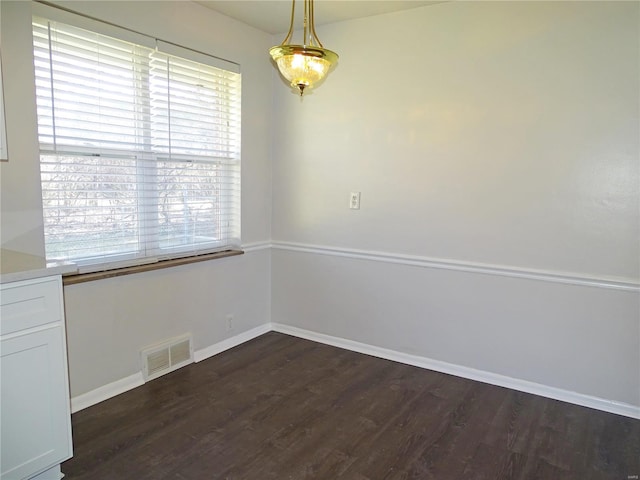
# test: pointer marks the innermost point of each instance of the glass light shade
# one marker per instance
(303, 66)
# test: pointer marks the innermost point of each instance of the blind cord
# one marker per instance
(53, 101)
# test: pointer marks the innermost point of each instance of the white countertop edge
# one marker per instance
(50, 269)
(17, 266)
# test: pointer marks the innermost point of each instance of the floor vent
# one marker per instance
(166, 357)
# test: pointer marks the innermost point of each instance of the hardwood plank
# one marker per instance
(450, 455)
(280, 407)
(491, 463)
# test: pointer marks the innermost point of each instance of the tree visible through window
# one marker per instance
(139, 149)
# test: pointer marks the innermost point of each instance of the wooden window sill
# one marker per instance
(89, 277)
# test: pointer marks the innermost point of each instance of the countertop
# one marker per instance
(16, 266)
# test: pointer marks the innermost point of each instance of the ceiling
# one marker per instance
(273, 16)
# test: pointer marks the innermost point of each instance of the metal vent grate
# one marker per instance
(180, 352)
(166, 357)
(158, 361)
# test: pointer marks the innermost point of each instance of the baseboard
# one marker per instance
(234, 341)
(105, 392)
(575, 398)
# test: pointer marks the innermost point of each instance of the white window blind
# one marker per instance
(139, 150)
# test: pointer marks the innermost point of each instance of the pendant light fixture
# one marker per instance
(303, 65)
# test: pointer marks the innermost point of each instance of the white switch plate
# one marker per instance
(354, 201)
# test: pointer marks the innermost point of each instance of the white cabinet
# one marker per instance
(35, 417)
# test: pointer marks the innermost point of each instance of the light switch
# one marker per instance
(354, 201)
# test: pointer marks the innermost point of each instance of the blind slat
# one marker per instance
(139, 149)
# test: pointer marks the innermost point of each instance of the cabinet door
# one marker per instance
(34, 406)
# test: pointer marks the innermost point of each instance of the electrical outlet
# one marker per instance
(354, 201)
(229, 323)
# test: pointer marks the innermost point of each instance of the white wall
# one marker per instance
(21, 226)
(494, 135)
(109, 321)
(502, 134)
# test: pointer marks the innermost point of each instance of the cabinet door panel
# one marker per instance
(34, 403)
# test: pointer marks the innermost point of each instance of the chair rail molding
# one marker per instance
(624, 284)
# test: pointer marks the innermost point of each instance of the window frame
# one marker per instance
(129, 259)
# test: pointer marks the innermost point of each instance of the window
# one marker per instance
(139, 149)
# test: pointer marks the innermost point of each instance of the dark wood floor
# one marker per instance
(279, 407)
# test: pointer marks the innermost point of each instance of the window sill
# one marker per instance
(89, 277)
